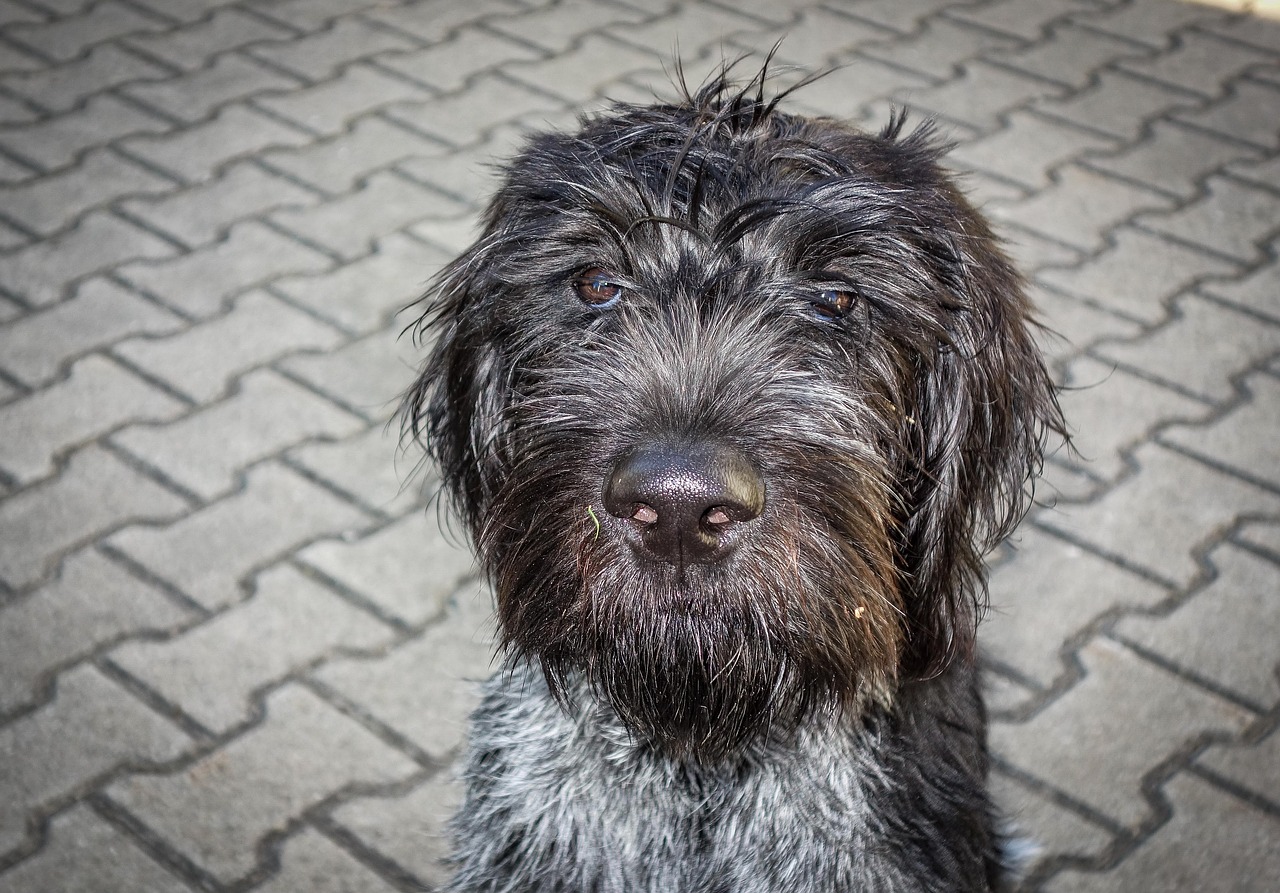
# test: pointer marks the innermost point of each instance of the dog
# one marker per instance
(732, 402)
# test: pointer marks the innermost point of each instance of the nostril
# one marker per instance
(717, 517)
(644, 514)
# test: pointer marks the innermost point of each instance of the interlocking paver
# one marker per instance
(98, 396)
(1119, 104)
(1255, 767)
(85, 852)
(68, 38)
(820, 36)
(311, 15)
(598, 61)
(448, 66)
(1246, 440)
(191, 47)
(320, 55)
(1027, 19)
(207, 553)
(197, 94)
(205, 451)
(92, 726)
(1153, 24)
(367, 376)
(202, 361)
(1255, 292)
(1071, 57)
(63, 87)
(936, 50)
(91, 603)
(1231, 220)
(310, 861)
(358, 466)
(868, 81)
(1052, 829)
(186, 10)
(330, 107)
(35, 348)
(304, 752)
(1074, 325)
(58, 141)
(1128, 715)
(1212, 837)
(1248, 114)
(1027, 150)
(545, 26)
(1200, 63)
(980, 95)
(1172, 159)
(466, 117)
(213, 670)
(337, 164)
(200, 283)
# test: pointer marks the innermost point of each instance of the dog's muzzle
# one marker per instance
(685, 504)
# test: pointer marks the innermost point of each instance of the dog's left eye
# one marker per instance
(832, 303)
(595, 287)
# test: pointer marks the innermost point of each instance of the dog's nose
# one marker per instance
(685, 503)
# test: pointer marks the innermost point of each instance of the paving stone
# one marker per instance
(448, 66)
(303, 752)
(68, 38)
(91, 727)
(337, 165)
(331, 107)
(41, 273)
(470, 175)
(95, 398)
(198, 153)
(1080, 208)
(1051, 829)
(453, 236)
(1123, 521)
(191, 47)
(1212, 842)
(1051, 592)
(1073, 325)
(1119, 104)
(206, 450)
(86, 853)
(1098, 741)
(1032, 254)
(1248, 114)
(1263, 536)
(1223, 342)
(321, 55)
(1153, 24)
(409, 830)
(35, 348)
(1231, 220)
(200, 283)
(1071, 57)
(819, 37)
(195, 95)
(11, 13)
(1249, 29)
(980, 95)
(1027, 19)
(860, 81)
(937, 49)
(598, 61)
(1247, 439)
(53, 203)
(1201, 63)
(95, 493)
(185, 10)
(199, 215)
(1137, 275)
(1255, 767)
(1241, 606)
(364, 295)
(367, 376)
(1111, 410)
(61, 88)
(545, 26)
(1263, 173)
(207, 553)
(349, 225)
(408, 568)
(202, 361)
(13, 112)
(1027, 149)
(1255, 292)
(374, 468)
(1173, 159)
(59, 141)
(466, 118)
(312, 862)
(213, 670)
(436, 26)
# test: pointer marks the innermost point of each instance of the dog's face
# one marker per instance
(732, 402)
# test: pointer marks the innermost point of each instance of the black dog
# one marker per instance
(732, 403)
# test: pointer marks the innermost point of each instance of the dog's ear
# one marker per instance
(984, 405)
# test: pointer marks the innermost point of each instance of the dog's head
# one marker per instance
(733, 402)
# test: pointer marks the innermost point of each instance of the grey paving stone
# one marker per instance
(95, 493)
(185, 10)
(980, 95)
(213, 670)
(1027, 149)
(63, 87)
(1212, 842)
(350, 224)
(13, 112)
(408, 568)
(1223, 341)
(1111, 410)
(53, 203)
(1071, 57)
(1241, 606)
(1249, 29)
(42, 273)
(471, 175)
(1153, 24)
(95, 398)
(1118, 104)
(598, 61)
(1262, 173)
(1231, 220)
(468, 117)
(1262, 535)
(310, 861)
(432, 28)
(408, 830)
(303, 752)
(1254, 767)
(336, 165)
(546, 26)
(848, 92)
(936, 49)
(197, 94)
(86, 853)
(363, 296)
(454, 236)
(1098, 741)
(1032, 254)
(1027, 19)
(820, 36)
(322, 54)
(206, 450)
(209, 552)
(1201, 63)
(91, 603)
(1247, 439)
(1138, 520)
(201, 283)
(448, 66)
(191, 47)
(1255, 292)
(1173, 159)
(367, 376)
(68, 38)
(202, 361)
(1074, 325)
(1249, 113)
(1051, 829)
(35, 348)
(372, 468)
(1137, 275)
(198, 153)
(331, 107)
(92, 726)
(58, 141)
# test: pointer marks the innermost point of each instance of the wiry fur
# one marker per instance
(801, 715)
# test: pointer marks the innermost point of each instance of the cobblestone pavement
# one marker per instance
(235, 651)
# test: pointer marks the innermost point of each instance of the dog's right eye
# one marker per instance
(595, 287)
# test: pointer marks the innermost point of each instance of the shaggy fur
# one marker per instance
(732, 403)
